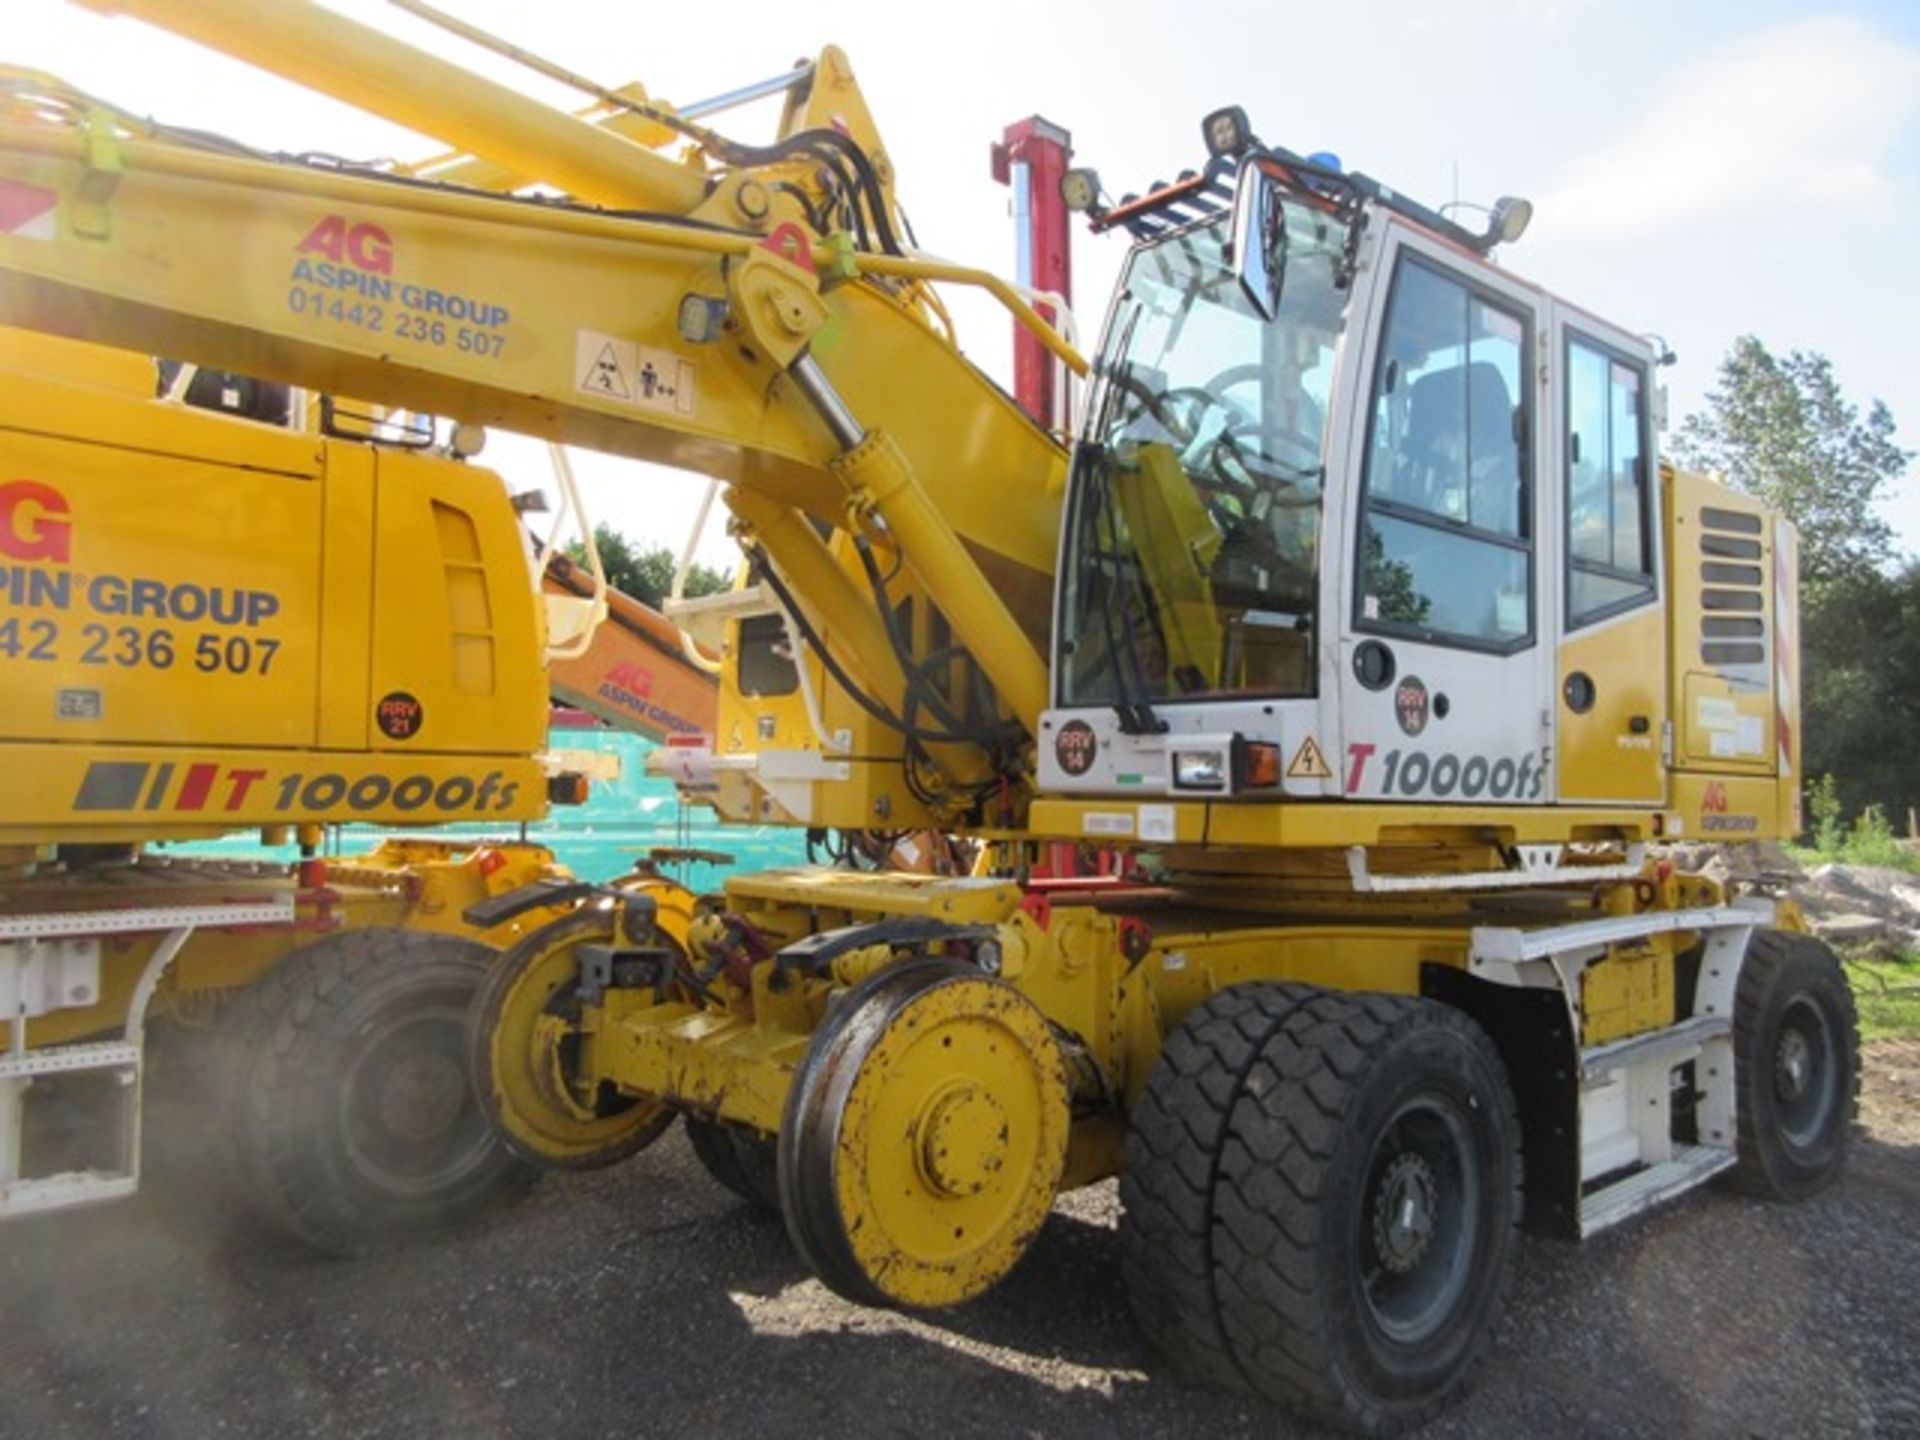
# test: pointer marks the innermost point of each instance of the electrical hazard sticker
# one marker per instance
(632, 374)
(1308, 763)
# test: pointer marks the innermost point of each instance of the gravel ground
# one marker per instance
(647, 1301)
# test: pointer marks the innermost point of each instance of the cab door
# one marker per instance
(1444, 664)
(1610, 691)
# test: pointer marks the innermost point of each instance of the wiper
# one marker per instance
(1134, 711)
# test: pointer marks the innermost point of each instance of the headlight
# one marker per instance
(1200, 770)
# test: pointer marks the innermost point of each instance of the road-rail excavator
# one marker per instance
(1358, 611)
(353, 1125)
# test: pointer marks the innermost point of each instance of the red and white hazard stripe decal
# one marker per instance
(28, 211)
(1786, 624)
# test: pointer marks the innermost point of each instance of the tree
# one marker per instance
(1860, 672)
(1779, 428)
(645, 574)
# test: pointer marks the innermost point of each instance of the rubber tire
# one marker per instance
(1282, 1140)
(744, 1161)
(1779, 967)
(290, 1045)
(1166, 1190)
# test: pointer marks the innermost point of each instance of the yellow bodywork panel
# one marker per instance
(1612, 752)
(1722, 613)
(1733, 807)
(208, 623)
(1629, 991)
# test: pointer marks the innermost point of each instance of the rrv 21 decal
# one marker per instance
(1443, 775)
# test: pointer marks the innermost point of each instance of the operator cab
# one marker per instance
(1355, 513)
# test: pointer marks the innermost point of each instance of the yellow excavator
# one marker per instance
(1358, 608)
(355, 1125)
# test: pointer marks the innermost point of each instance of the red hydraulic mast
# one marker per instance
(1031, 157)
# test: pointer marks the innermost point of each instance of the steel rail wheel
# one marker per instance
(524, 1049)
(924, 1137)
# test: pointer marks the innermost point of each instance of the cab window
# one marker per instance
(1446, 536)
(1608, 536)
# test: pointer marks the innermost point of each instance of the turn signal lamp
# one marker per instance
(567, 789)
(1259, 765)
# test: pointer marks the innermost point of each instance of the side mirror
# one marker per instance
(1259, 241)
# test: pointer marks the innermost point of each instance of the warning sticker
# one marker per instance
(27, 210)
(1157, 823)
(1308, 763)
(638, 375)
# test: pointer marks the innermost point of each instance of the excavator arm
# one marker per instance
(726, 328)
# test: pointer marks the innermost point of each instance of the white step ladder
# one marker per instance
(1629, 1160)
(51, 962)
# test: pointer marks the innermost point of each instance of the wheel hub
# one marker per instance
(1405, 1210)
(422, 1096)
(1792, 1065)
(963, 1140)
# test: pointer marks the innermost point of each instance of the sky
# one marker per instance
(1700, 170)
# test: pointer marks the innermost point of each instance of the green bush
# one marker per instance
(1869, 840)
(1823, 802)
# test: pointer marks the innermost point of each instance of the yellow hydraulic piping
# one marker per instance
(326, 52)
(918, 268)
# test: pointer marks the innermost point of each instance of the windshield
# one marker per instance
(1193, 554)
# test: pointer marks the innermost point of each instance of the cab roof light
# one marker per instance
(1227, 132)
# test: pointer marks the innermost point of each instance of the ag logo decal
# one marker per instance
(1410, 705)
(399, 715)
(1075, 746)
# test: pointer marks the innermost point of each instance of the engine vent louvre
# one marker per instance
(1733, 595)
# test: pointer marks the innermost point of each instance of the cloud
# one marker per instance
(1800, 114)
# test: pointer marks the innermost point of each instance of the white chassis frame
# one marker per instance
(52, 962)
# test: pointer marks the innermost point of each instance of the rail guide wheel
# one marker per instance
(924, 1136)
(524, 1046)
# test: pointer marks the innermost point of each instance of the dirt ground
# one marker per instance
(647, 1301)
(1890, 1102)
